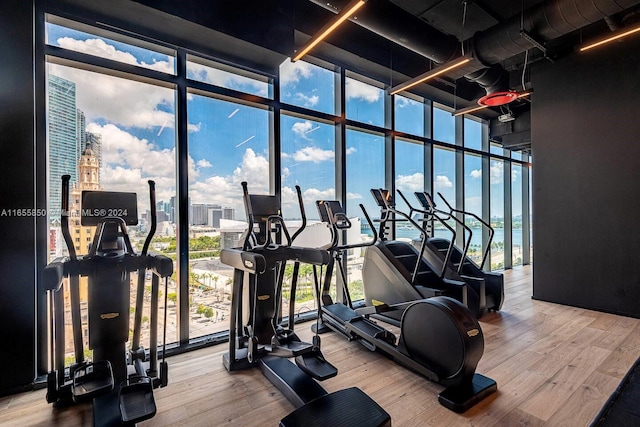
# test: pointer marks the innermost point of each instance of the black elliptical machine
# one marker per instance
(394, 271)
(257, 335)
(486, 287)
(120, 383)
(440, 338)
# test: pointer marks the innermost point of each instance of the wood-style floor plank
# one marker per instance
(555, 365)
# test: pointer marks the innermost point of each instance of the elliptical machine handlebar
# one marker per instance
(332, 219)
(64, 218)
(481, 221)
(154, 219)
(302, 213)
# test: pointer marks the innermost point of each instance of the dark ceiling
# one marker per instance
(395, 40)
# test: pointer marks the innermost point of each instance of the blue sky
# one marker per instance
(228, 142)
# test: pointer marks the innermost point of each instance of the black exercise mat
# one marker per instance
(623, 407)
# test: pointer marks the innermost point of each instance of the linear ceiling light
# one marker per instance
(446, 67)
(474, 108)
(346, 13)
(621, 34)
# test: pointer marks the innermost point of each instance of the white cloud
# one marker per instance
(292, 72)
(351, 150)
(302, 128)
(120, 148)
(313, 154)
(413, 182)
(402, 102)
(313, 194)
(476, 173)
(354, 196)
(204, 163)
(355, 89)
(227, 191)
(99, 47)
(225, 79)
(442, 181)
(307, 100)
(120, 101)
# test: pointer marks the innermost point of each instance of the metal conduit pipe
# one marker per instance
(546, 21)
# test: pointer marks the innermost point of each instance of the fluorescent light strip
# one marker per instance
(428, 75)
(329, 28)
(610, 39)
(475, 108)
(470, 110)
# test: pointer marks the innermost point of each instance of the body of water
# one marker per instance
(476, 237)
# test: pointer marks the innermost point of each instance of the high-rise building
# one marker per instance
(63, 138)
(200, 214)
(81, 138)
(94, 141)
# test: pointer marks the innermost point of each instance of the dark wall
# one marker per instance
(17, 257)
(586, 182)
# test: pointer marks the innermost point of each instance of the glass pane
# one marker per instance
(496, 149)
(473, 204)
(409, 179)
(444, 126)
(409, 115)
(365, 170)
(224, 76)
(365, 103)
(516, 155)
(516, 211)
(110, 134)
(307, 85)
(103, 47)
(230, 144)
(444, 182)
(496, 182)
(308, 160)
(472, 134)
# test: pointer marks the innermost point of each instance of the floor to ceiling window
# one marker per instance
(326, 130)
(110, 133)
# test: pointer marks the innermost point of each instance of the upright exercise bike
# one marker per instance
(257, 335)
(120, 383)
(440, 338)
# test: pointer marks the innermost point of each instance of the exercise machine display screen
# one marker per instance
(97, 205)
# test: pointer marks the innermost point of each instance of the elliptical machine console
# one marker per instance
(119, 397)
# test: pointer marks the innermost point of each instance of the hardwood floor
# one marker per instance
(555, 366)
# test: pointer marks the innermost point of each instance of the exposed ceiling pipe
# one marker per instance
(546, 21)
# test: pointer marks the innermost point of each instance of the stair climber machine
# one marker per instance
(439, 339)
(120, 383)
(486, 289)
(395, 272)
(259, 337)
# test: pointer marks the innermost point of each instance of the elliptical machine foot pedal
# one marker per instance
(136, 400)
(315, 365)
(91, 379)
(462, 397)
(349, 407)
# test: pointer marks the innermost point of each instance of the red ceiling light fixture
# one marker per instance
(498, 98)
(481, 106)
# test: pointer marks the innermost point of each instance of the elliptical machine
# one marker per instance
(395, 272)
(440, 338)
(119, 383)
(257, 335)
(487, 287)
